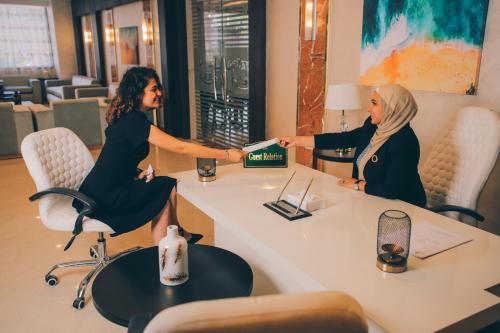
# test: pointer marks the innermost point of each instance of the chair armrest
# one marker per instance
(89, 206)
(84, 92)
(453, 208)
(138, 323)
(37, 90)
(57, 83)
(32, 81)
(87, 201)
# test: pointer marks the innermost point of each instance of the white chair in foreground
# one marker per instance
(318, 312)
(58, 161)
(461, 161)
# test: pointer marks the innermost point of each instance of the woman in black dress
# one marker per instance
(126, 198)
(387, 149)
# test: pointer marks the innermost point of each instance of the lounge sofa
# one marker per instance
(65, 89)
(30, 89)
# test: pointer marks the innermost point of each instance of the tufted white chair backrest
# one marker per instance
(56, 157)
(462, 158)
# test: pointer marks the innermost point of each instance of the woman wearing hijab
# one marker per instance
(387, 149)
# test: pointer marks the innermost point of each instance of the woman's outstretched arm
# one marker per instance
(170, 143)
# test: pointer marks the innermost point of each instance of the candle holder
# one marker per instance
(393, 241)
(206, 169)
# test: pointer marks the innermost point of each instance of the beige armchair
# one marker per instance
(318, 312)
(30, 89)
(15, 124)
(80, 116)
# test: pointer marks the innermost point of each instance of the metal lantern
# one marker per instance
(393, 241)
(206, 169)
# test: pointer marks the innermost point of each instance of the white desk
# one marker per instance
(335, 249)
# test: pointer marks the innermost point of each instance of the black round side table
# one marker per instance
(333, 155)
(131, 285)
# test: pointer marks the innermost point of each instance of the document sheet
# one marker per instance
(428, 239)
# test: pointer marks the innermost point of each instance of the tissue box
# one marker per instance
(311, 202)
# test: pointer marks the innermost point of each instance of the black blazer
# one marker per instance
(392, 172)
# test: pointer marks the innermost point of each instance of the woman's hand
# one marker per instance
(349, 182)
(235, 155)
(300, 141)
(146, 174)
(287, 141)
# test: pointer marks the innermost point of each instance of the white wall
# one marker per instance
(435, 109)
(282, 68)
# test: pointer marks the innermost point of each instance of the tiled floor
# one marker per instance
(28, 250)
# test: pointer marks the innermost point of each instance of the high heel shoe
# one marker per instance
(194, 237)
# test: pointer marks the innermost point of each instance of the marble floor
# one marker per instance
(27, 303)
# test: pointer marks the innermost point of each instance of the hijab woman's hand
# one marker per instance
(287, 141)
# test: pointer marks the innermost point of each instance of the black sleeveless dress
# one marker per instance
(125, 203)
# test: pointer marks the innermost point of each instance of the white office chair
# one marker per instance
(58, 161)
(319, 312)
(460, 162)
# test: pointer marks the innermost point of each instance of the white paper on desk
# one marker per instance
(428, 239)
(260, 145)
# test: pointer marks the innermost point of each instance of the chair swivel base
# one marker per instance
(101, 260)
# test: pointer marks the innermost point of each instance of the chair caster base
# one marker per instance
(79, 303)
(51, 280)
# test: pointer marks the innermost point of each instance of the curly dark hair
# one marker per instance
(130, 92)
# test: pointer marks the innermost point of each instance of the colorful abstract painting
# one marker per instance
(129, 47)
(432, 45)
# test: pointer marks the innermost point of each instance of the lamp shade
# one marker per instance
(343, 96)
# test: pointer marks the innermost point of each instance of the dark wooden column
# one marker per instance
(100, 65)
(173, 50)
(257, 70)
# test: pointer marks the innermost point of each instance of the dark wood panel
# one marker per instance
(173, 50)
(100, 66)
(80, 55)
(257, 70)
(86, 7)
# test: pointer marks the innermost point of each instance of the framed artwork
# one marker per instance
(432, 45)
(129, 46)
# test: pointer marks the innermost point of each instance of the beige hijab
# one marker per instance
(398, 107)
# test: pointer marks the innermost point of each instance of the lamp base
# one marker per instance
(391, 268)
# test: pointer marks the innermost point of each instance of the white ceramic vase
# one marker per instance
(173, 258)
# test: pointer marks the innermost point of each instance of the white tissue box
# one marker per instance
(311, 202)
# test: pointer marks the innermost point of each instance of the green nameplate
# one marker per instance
(270, 157)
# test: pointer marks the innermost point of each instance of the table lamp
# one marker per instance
(343, 97)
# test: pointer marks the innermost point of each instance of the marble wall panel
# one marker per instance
(311, 85)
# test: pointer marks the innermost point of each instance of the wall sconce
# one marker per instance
(87, 36)
(110, 34)
(310, 20)
(147, 32)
